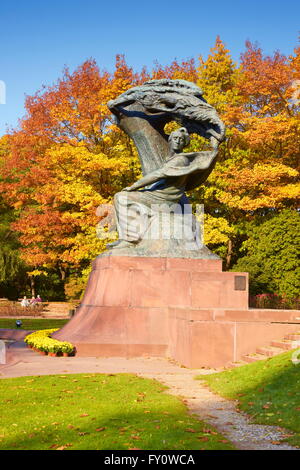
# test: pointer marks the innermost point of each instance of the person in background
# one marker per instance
(38, 299)
(32, 301)
(25, 302)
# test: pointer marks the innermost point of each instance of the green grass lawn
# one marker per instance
(32, 323)
(98, 411)
(267, 390)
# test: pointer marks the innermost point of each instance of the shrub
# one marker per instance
(271, 255)
(42, 341)
(13, 309)
(273, 301)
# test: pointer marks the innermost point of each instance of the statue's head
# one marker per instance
(179, 139)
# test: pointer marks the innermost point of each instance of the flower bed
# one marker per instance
(41, 341)
(14, 309)
(274, 301)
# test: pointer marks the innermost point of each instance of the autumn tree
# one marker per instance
(217, 77)
(66, 159)
(184, 70)
(257, 170)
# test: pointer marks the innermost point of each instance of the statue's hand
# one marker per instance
(214, 142)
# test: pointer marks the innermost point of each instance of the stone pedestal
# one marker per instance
(185, 309)
(126, 308)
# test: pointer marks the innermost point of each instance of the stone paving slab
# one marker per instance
(13, 334)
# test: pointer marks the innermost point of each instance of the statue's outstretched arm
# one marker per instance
(152, 177)
(200, 161)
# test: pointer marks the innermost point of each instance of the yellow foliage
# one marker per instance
(37, 272)
(216, 230)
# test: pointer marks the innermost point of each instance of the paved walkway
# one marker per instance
(220, 413)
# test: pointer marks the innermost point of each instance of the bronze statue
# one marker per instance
(142, 112)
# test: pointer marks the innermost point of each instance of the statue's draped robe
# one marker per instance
(134, 209)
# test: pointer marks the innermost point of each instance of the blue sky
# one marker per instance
(38, 38)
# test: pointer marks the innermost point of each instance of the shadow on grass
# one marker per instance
(99, 412)
(119, 433)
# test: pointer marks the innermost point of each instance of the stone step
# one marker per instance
(269, 351)
(57, 307)
(264, 352)
(254, 357)
(236, 364)
(293, 337)
(55, 316)
(60, 307)
(56, 311)
(283, 344)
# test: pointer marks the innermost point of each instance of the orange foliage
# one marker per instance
(68, 156)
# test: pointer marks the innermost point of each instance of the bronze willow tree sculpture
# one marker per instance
(154, 217)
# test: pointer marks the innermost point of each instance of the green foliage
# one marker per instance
(10, 262)
(50, 287)
(12, 268)
(76, 284)
(271, 255)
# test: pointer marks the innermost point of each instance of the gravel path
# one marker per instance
(209, 407)
(222, 413)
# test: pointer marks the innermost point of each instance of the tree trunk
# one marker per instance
(229, 254)
(32, 286)
(62, 274)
